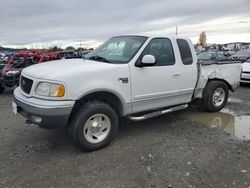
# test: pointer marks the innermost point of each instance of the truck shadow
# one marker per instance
(142, 133)
(224, 121)
(8, 92)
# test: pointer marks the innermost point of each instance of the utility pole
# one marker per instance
(176, 30)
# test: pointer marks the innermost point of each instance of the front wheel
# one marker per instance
(94, 126)
(215, 96)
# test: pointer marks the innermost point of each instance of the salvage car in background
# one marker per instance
(211, 55)
(5, 59)
(2, 62)
(1, 56)
(228, 52)
(245, 76)
(71, 54)
(10, 73)
(241, 55)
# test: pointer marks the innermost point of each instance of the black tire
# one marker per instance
(208, 96)
(82, 115)
(1, 88)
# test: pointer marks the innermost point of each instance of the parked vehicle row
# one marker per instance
(5, 57)
(211, 55)
(10, 72)
(241, 55)
(70, 54)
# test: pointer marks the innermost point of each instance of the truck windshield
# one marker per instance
(117, 50)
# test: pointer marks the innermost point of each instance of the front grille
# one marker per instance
(26, 84)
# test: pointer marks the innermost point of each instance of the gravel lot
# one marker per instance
(175, 150)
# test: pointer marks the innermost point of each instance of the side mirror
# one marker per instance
(148, 60)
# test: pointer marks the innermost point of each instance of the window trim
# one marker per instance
(140, 56)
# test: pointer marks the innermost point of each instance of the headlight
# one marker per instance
(50, 89)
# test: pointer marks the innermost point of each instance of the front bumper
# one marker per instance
(45, 113)
(245, 77)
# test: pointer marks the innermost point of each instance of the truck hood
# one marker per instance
(55, 70)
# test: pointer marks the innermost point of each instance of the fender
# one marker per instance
(126, 106)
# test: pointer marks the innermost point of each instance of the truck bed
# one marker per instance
(218, 62)
(229, 71)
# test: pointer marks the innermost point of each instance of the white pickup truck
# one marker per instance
(137, 77)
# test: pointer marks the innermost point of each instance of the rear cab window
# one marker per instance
(185, 51)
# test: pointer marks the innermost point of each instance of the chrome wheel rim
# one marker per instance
(219, 97)
(97, 128)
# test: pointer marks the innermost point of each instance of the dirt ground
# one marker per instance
(188, 148)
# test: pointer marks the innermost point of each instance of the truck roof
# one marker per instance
(155, 36)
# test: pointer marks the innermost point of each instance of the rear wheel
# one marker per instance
(215, 96)
(94, 126)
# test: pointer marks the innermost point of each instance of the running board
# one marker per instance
(157, 113)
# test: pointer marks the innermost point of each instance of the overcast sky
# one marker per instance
(44, 23)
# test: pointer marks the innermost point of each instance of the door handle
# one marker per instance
(176, 76)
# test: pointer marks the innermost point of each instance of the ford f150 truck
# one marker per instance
(137, 77)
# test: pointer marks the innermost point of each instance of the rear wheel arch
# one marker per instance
(221, 80)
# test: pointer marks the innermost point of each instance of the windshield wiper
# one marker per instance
(99, 58)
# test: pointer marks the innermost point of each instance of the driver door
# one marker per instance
(158, 85)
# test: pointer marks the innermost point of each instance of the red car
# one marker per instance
(9, 75)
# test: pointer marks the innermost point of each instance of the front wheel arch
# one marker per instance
(103, 96)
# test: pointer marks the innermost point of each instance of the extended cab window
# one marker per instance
(185, 51)
(162, 50)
